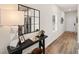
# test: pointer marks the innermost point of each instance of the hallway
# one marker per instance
(65, 44)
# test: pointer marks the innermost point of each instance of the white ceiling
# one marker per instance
(68, 7)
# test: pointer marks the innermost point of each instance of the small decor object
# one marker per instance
(22, 39)
(36, 38)
(37, 51)
(41, 33)
(62, 20)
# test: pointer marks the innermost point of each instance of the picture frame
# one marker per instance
(62, 20)
(76, 19)
(22, 39)
(53, 21)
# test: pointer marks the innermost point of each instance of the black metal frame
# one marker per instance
(28, 16)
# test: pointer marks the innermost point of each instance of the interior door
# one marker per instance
(71, 24)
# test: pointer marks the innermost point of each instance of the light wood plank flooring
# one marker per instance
(65, 44)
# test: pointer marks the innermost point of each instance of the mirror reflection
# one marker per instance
(31, 19)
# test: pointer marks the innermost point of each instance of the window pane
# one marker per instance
(31, 12)
(29, 28)
(36, 13)
(37, 21)
(32, 20)
(36, 27)
(32, 28)
(25, 13)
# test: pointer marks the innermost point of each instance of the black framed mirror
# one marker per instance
(31, 19)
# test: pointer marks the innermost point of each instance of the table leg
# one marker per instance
(39, 44)
(43, 46)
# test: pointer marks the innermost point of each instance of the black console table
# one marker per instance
(26, 44)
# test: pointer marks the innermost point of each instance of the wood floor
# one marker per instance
(65, 44)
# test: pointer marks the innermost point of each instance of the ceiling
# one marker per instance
(68, 7)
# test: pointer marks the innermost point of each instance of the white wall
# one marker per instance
(78, 28)
(45, 23)
(9, 6)
(4, 39)
(70, 20)
(5, 33)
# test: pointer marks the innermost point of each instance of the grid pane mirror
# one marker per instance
(31, 19)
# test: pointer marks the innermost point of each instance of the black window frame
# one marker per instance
(25, 29)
